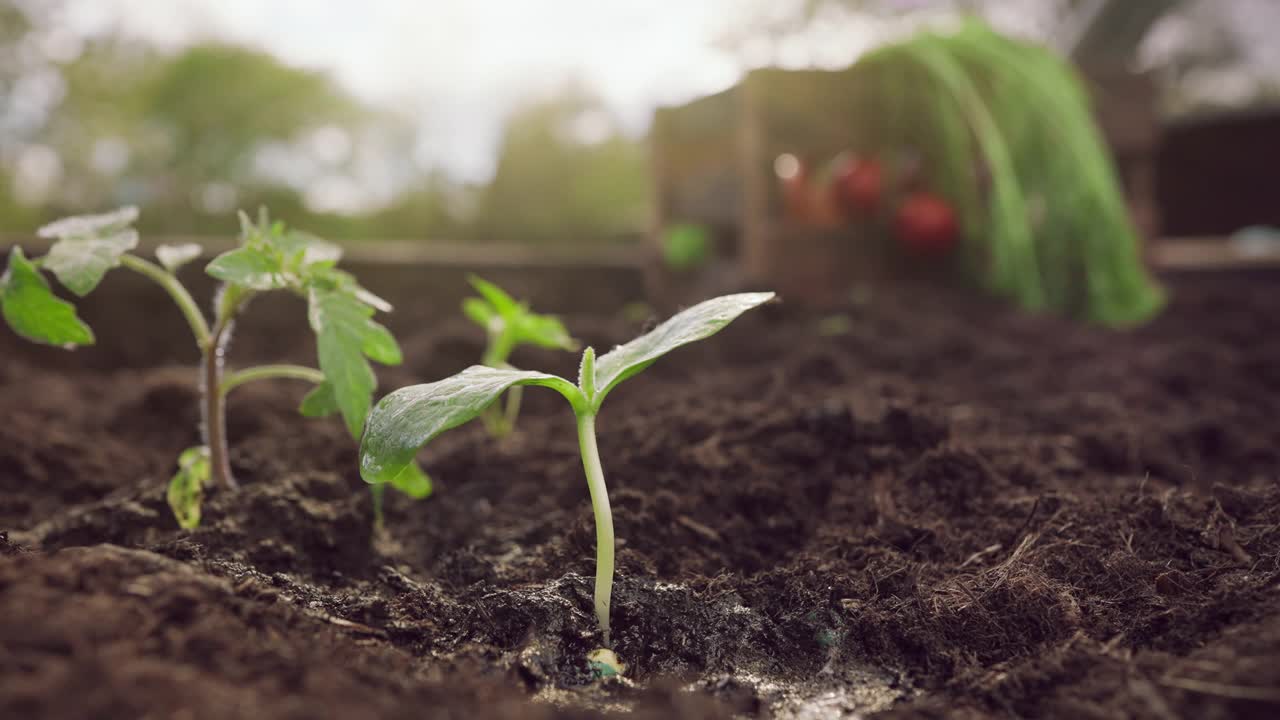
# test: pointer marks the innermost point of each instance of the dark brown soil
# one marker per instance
(946, 510)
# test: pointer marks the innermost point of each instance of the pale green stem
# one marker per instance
(603, 517)
(168, 281)
(271, 372)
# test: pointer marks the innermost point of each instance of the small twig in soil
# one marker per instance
(1226, 690)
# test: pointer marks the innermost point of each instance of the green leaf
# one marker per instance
(173, 257)
(410, 417)
(252, 267)
(412, 481)
(697, 323)
(320, 402)
(479, 312)
(81, 261)
(345, 334)
(90, 225)
(542, 330)
(33, 311)
(498, 299)
(186, 489)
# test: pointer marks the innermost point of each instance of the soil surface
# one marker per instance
(925, 505)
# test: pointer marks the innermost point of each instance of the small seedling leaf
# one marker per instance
(90, 225)
(696, 323)
(479, 312)
(410, 417)
(413, 481)
(320, 402)
(173, 257)
(81, 261)
(498, 299)
(345, 334)
(186, 489)
(33, 311)
(544, 331)
(256, 268)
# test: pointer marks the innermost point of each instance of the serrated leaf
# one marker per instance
(173, 257)
(412, 481)
(410, 417)
(83, 225)
(186, 488)
(80, 261)
(698, 322)
(345, 334)
(320, 402)
(33, 311)
(252, 267)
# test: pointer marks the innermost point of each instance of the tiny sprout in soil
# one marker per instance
(270, 257)
(411, 417)
(507, 325)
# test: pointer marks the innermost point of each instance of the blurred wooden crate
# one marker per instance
(713, 164)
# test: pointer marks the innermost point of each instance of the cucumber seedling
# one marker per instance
(508, 324)
(269, 257)
(410, 417)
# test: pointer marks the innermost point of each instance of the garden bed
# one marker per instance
(929, 506)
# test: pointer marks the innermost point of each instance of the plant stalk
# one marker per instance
(270, 372)
(169, 281)
(230, 300)
(603, 518)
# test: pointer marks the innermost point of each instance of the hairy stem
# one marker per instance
(169, 281)
(603, 517)
(270, 372)
(230, 300)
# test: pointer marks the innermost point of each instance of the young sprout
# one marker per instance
(410, 417)
(508, 324)
(268, 258)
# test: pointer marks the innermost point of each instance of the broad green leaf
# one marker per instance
(80, 261)
(173, 257)
(33, 311)
(186, 489)
(698, 322)
(412, 481)
(252, 267)
(305, 249)
(410, 417)
(90, 225)
(345, 334)
(320, 402)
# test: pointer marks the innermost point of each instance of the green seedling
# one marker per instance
(411, 417)
(269, 258)
(508, 324)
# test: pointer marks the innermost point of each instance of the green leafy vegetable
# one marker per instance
(186, 489)
(410, 417)
(33, 311)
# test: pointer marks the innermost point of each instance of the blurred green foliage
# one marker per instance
(192, 135)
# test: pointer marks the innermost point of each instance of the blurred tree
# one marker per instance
(565, 173)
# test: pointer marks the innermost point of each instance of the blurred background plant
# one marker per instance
(493, 121)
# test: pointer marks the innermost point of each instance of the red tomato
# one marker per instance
(926, 224)
(858, 185)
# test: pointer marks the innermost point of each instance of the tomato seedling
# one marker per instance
(410, 417)
(508, 324)
(269, 257)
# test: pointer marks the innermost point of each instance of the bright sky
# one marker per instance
(460, 65)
